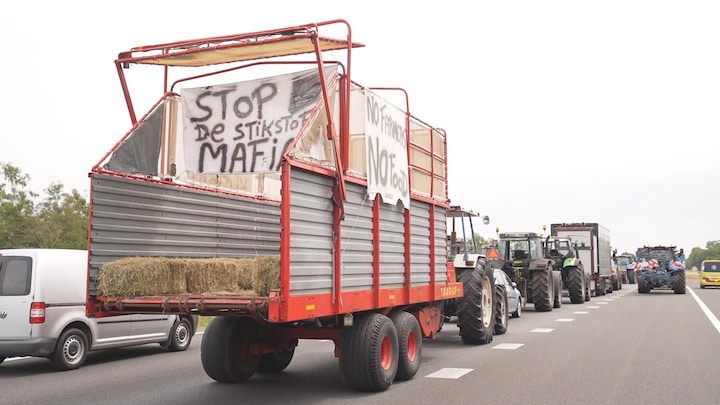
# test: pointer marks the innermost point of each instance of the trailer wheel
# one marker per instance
(679, 282)
(275, 362)
(409, 343)
(576, 285)
(224, 349)
(501, 314)
(631, 277)
(557, 289)
(71, 350)
(475, 308)
(369, 353)
(542, 290)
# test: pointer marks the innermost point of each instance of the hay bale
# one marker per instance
(140, 276)
(218, 275)
(266, 275)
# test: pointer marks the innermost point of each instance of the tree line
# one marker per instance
(58, 219)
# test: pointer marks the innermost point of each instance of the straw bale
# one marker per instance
(216, 275)
(139, 276)
(266, 274)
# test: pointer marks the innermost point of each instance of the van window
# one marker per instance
(15, 276)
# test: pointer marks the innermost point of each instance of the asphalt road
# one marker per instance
(622, 348)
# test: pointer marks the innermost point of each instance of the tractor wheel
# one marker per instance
(542, 290)
(642, 288)
(369, 353)
(410, 344)
(501, 314)
(679, 282)
(225, 351)
(576, 285)
(475, 308)
(631, 277)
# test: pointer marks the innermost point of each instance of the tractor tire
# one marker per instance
(631, 277)
(369, 353)
(224, 350)
(542, 290)
(475, 309)
(679, 282)
(501, 314)
(576, 285)
(642, 288)
(557, 289)
(409, 343)
(617, 284)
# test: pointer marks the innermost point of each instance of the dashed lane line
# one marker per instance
(449, 372)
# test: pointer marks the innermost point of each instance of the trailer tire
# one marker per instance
(502, 317)
(71, 350)
(369, 353)
(557, 289)
(631, 277)
(275, 362)
(409, 343)
(576, 285)
(475, 309)
(679, 282)
(224, 349)
(542, 290)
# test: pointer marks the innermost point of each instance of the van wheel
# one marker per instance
(180, 336)
(71, 350)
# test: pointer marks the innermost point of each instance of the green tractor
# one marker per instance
(575, 279)
(522, 257)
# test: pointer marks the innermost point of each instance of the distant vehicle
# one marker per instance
(710, 273)
(515, 299)
(42, 312)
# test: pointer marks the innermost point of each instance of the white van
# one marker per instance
(42, 312)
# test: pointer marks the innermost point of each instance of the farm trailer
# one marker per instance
(345, 190)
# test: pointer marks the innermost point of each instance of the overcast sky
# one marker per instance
(556, 111)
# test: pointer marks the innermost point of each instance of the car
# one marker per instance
(710, 273)
(42, 312)
(514, 297)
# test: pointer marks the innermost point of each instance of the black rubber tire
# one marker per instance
(631, 276)
(557, 289)
(275, 362)
(679, 282)
(2, 359)
(409, 344)
(542, 290)
(180, 335)
(642, 289)
(588, 291)
(224, 349)
(617, 284)
(369, 353)
(502, 317)
(475, 309)
(71, 350)
(518, 311)
(576, 285)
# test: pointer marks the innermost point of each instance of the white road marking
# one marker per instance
(581, 312)
(603, 303)
(592, 307)
(564, 320)
(508, 346)
(609, 299)
(713, 319)
(450, 372)
(542, 330)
